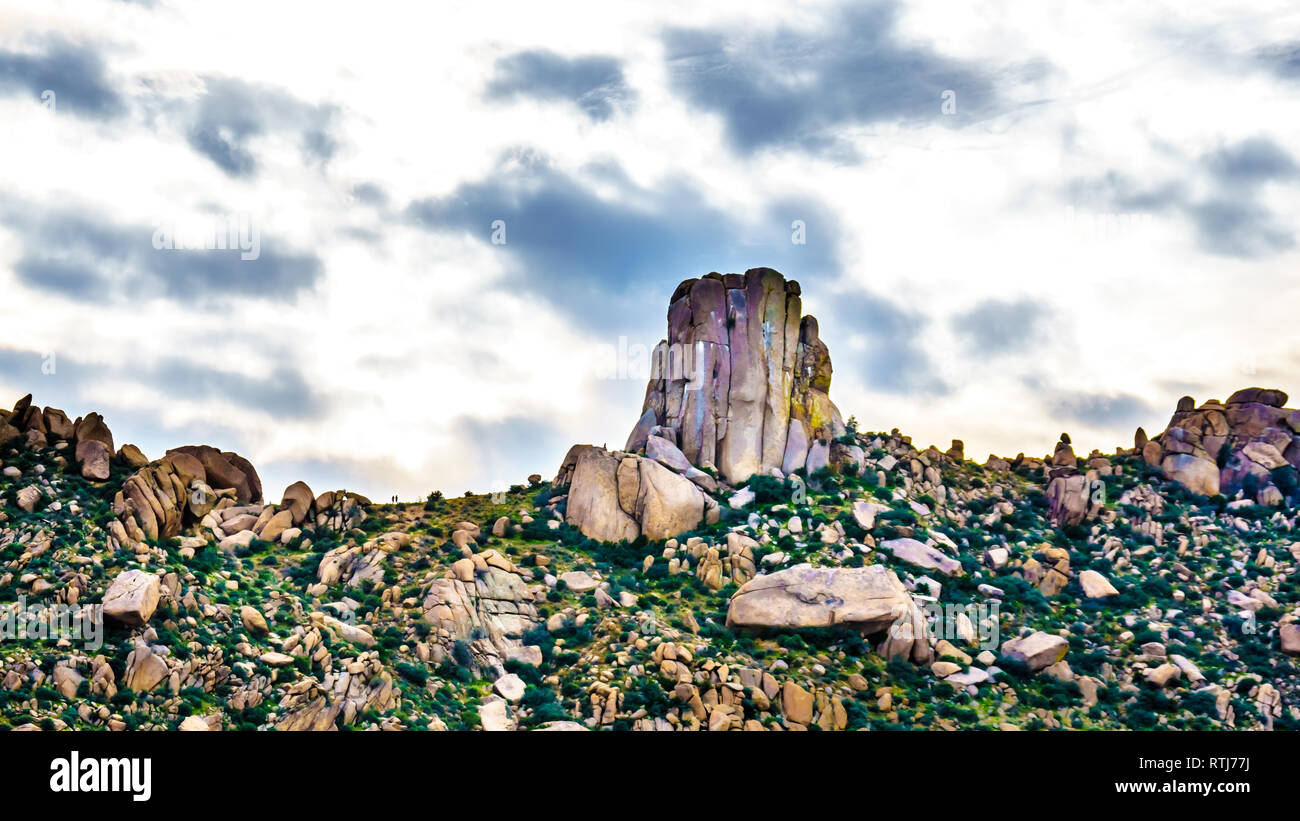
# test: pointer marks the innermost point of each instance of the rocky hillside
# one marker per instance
(749, 561)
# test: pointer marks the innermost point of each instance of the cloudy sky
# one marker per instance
(1020, 217)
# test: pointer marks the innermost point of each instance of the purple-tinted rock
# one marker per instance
(738, 366)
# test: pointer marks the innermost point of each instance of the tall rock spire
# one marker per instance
(739, 387)
(743, 378)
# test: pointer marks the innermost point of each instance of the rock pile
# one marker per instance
(614, 496)
(89, 437)
(162, 498)
(706, 695)
(354, 565)
(484, 606)
(1250, 444)
(320, 705)
(1072, 493)
(221, 495)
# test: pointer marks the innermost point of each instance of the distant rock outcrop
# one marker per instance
(90, 438)
(1070, 490)
(1249, 443)
(192, 485)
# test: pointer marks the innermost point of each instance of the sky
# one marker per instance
(419, 246)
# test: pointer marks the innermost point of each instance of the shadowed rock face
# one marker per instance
(742, 381)
(226, 470)
(1225, 447)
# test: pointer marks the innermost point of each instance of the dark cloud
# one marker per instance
(368, 236)
(1282, 59)
(224, 121)
(1099, 410)
(1229, 218)
(1232, 222)
(794, 88)
(894, 362)
(1250, 162)
(92, 259)
(369, 193)
(283, 393)
(1237, 227)
(223, 148)
(74, 72)
(594, 84)
(1115, 191)
(603, 258)
(996, 326)
(319, 144)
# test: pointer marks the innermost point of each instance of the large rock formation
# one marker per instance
(740, 386)
(159, 500)
(1251, 443)
(743, 379)
(614, 496)
(226, 470)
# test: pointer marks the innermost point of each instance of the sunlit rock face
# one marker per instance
(742, 381)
